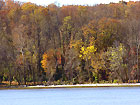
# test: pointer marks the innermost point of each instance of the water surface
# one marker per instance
(72, 96)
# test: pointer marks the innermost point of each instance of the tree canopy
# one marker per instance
(69, 44)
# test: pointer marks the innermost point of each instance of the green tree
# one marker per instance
(116, 59)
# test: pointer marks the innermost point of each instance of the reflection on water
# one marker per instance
(72, 96)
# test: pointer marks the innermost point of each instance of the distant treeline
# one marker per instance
(69, 44)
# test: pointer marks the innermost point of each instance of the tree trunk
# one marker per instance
(138, 63)
(39, 53)
(33, 76)
(10, 75)
(24, 75)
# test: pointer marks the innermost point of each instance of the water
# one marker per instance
(72, 96)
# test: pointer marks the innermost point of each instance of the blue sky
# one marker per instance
(65, 2)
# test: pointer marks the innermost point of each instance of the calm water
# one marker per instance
(75, 96)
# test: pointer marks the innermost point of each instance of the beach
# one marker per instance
(87, 85)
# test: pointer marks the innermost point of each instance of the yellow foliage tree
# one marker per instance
(86, 52)
(44, 61)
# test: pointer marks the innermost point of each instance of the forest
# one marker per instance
(69, 44)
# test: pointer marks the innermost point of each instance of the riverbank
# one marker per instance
(74, 86)
(88, 85)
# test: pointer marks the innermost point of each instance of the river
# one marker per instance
(72, 96)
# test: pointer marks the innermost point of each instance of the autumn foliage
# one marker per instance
(69, 44)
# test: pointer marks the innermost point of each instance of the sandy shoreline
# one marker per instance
(87, 85)
(74, 86)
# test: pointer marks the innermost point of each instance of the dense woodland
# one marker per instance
(69, 44)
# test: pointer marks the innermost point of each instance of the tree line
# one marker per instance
(69, 44)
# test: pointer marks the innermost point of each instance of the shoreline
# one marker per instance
(75, 86)
(89, 85)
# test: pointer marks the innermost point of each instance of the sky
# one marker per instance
(69, 2)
